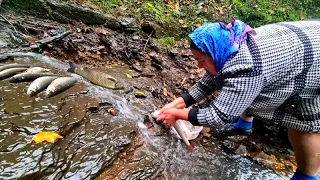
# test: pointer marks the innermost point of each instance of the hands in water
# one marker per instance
(170, 113)
(166, 116)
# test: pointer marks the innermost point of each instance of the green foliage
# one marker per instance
(180, 17)
(167, 42)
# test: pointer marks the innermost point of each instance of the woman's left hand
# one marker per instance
(168, 117)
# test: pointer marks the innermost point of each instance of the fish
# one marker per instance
(96, 77)
(59, 85)
(10, 72)
(183, 136)
(5, 58)
(179, 130)
(8, 66)
(27, 77)
(37, 70)
(40, 84)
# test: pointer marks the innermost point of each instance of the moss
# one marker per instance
(166, 42)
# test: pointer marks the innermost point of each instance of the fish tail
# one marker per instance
(190, 148)
(72, 68)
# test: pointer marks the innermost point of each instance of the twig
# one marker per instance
(144, 48)
(54, 38)
(9, 23)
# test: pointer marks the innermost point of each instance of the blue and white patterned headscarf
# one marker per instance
(219, 40)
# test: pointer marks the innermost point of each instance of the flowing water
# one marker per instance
(93, 138)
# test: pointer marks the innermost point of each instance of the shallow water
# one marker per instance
(92, 140)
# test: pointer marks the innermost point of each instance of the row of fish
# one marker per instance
(41, 78)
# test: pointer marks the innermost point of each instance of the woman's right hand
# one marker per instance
(177, 103)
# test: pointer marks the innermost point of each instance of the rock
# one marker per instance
(129, 24)
(237, 138)
(156, 65)
(34, 7)
(150, 27)
(147, 122)
(241, 150)
(156, 58)
(231, 146)
(137, 68)
(262, 156)
(136, 37)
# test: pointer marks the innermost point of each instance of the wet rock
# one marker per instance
(129, 24)
(241, 150)
(147, 122)
(229, 145)
(237, 138)
(34, 7)
(262, 156)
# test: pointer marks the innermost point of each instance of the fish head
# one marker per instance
(119, 86)
(51, 90)
(32, 90)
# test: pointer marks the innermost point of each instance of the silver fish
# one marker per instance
(26, 77)
(10, 72)
(8, 66)
(183, 136)
(37, 70)
(40, 84)
(59, 85)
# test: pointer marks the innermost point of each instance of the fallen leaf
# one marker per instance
(181, 21)
(128, 76)
(141, 21)
(108, 66)
(112, 111)
(48, 136)
(140, 94)
(273, 157)
(271, 11)
(185, 26)
(149, 4)
(129, 70)
(101, 47)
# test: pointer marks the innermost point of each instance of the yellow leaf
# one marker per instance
(184, 26)
(129, 76)
(273, 157)
(149, 4)
(181, 21)
(147, 56)
(141, 21)
(140, 93)
(294, 168)
(108, 66)
(48, 136)
(129, 70)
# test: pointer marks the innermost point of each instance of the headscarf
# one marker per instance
(219, 40)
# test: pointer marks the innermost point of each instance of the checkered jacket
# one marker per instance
(275, 77)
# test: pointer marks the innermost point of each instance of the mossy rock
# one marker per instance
(87, 16)
(33, 7)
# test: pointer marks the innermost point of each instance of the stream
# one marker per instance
(96, 144)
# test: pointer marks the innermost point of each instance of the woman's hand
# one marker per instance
(168, 117)
(177, 104)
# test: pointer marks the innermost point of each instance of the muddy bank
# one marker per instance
(155, 153)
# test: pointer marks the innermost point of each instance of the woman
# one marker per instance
(271, 73)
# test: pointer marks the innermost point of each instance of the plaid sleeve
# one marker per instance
(206, 85)
(235, 97)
